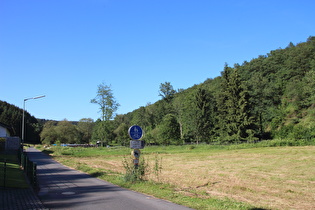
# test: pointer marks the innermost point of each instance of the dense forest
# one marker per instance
(271, 96)
(11, 116)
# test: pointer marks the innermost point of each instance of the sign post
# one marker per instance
(136, 133)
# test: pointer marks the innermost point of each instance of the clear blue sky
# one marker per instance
(65, 48)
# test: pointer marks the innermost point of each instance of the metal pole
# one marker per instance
(23, 122)
(23, 118)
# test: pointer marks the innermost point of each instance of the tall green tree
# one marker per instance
(235, 118)
(169, 131)
(106, 101)
(179, 110)
(85, 127)
(203, 118)
(67, 132)
(104, 130)
(49, 134)
(261, 100)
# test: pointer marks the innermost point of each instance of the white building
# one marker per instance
(11, 143)
(4, 130)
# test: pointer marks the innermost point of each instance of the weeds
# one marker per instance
(140, 172)
(157, 169)
(135, 173)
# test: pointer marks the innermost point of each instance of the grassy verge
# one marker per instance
(14, 176)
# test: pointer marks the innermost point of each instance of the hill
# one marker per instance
(271, 96)
(12, 116)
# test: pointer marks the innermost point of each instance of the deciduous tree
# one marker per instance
(108, 106)
(106, 101)
(85, 127)
(169, 132)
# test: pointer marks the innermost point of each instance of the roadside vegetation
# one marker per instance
(243, 176)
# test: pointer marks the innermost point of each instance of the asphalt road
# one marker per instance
(65, 188)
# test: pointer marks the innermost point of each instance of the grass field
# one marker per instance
(14, 176)
(211, 177)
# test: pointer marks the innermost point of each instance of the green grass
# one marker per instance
(14, 177)
(192, 200)
(118, 151)
(85, 152)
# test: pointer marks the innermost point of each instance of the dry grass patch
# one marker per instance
(272, 177)
(276, 177)
(114, 165)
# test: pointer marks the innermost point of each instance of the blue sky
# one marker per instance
(65, 48)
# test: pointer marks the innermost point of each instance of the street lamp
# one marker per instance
(23, 114)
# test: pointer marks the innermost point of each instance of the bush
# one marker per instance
(300, 132)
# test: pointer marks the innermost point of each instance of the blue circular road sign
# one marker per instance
(135, 132)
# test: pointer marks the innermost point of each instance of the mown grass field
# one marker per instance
(210, 177)
(12, 176)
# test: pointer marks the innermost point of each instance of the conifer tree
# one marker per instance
(203, 115)
(235, 118)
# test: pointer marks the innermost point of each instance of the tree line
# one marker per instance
(271, 96)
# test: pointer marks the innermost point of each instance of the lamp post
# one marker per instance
(23, 114)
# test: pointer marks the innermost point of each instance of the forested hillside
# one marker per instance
(12, 116)
(45, 131)
(272, 96)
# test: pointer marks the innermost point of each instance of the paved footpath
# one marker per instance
(65, 188)
(19, 199)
